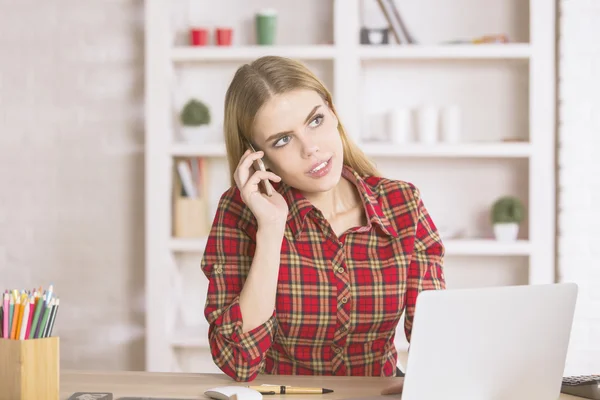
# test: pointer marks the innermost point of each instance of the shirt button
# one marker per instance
(337, 350)
(343, 329)
(340, 270)
(344, 300)
(219, 270)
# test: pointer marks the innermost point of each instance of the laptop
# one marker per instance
(494, 343)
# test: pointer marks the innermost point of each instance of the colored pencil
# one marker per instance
(42, 326)
(31, 312)
(52, 318)
(36, 318)
(28, 313)
(15, 318)
(24, 320)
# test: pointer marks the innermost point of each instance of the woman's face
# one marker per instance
(298, 133)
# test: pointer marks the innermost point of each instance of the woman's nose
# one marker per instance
(309, 148)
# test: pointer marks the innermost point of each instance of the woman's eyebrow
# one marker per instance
(276, 135)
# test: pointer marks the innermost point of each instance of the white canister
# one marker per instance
(451, 124)
(399, 125)
(428, 123)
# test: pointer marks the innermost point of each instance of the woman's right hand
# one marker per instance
(269, 211)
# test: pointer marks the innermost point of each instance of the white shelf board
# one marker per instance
(486, 247)
(191, 337)
(470, 150)
(462, 247)
(449, 51)
(237, 53)
(466, 150)
(198, 150)
(187, 245)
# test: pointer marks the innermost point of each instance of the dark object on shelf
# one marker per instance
(586, 386)
(374, 35)
(397, 26)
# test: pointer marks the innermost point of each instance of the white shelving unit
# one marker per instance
(347, 61)
(187, 54)
(441, 52)
(465, 247)
(465, 150)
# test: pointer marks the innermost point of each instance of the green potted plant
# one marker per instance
(507, 213)
(195, 119)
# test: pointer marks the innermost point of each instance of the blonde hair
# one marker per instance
(255, 83)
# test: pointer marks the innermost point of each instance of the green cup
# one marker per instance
(266, 27)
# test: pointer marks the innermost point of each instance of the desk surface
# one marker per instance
(192, 386)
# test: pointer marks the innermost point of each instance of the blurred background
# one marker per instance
(112, 158)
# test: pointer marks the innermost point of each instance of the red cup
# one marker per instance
(224, 36)
(199, 36)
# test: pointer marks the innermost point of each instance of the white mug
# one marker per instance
(451, 124)
(428, 120)
(399, 125)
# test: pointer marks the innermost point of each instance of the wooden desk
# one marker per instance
(192, 386)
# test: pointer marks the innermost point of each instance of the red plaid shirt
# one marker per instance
(339, 300)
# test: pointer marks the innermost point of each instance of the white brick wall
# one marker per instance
(579, 175)
(71, 169)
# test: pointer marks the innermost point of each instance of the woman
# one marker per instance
(313, 279)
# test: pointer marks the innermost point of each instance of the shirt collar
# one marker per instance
(300, 207)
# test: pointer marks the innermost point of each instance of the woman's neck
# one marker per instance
(339, 200)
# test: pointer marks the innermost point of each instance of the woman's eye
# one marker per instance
(282, 142)
(316, 121)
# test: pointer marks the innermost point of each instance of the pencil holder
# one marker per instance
(29, 369)
(190, 217)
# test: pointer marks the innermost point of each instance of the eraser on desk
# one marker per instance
(91, 396)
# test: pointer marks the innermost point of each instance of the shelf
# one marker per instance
(198, 150)
(365, 52)
(191, 337)
(454, 247)
(187, 245)
(466, 150)
(238, 53)
(454, 51)
(486, 247)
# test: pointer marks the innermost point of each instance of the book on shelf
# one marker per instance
(190, 199)
(396, 23)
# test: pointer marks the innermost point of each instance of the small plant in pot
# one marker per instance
(507, 213)
(195, 119)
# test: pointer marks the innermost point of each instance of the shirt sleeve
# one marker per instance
(425, 270)
(226, 261)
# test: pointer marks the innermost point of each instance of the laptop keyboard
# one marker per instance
(586, 386)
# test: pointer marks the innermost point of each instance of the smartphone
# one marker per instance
(260, 166)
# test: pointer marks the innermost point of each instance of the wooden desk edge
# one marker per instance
(193, 385)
